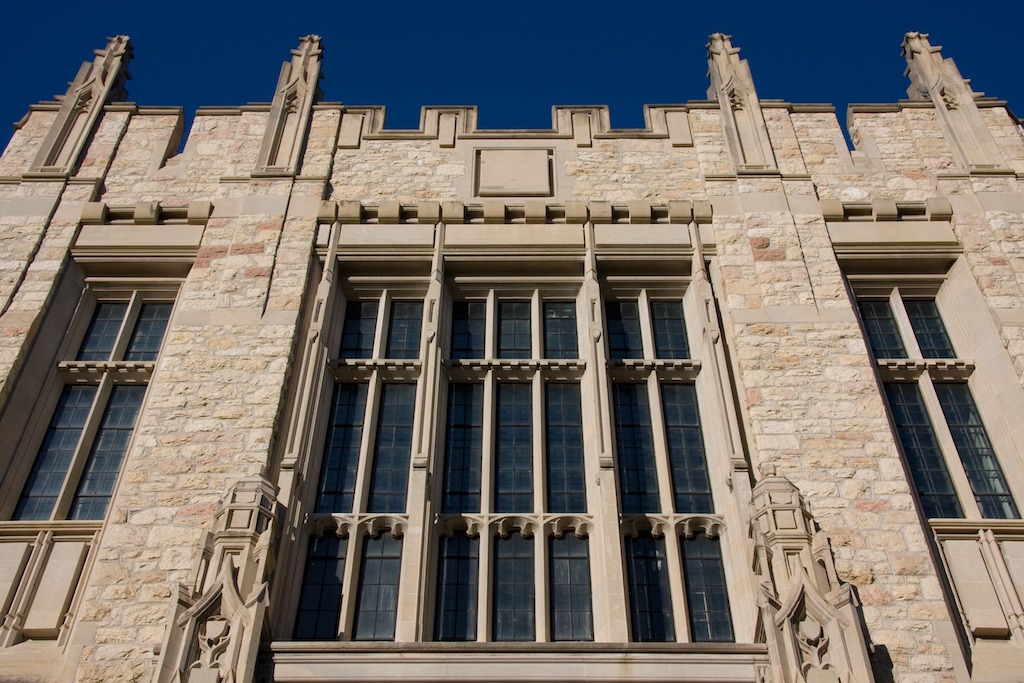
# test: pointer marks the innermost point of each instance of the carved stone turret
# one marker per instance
(742, 120)
(297, 88)
(217, 619)
(807, 616)
(937, 79)
(98, 82)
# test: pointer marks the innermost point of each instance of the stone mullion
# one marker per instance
(611, 618)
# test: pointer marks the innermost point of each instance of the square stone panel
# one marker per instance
(514, 173)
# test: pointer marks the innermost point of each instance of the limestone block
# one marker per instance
(514, 172)
(974, 589)
(57, 585)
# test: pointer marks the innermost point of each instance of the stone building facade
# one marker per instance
(312, 399)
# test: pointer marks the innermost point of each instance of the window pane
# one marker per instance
(108, 449)
(468, 326)
(921, 448)
(571, 612)
(513, 588)
(463, 444)
(320, 599)
(377, 601)
(634, 441)
(341, 450)
(928, 328)
(669, 330)
(623, 330)
(392, 448)
(560, 330)
(879, 323)
(404, 329)
(102, 333)
(513, 449)
(357, 334)
(563, 448)
(457, 588)
(691, 487)
(976, 452)
(149, 332)
(514, 329)
(55, 454)
(706, 596)
(650, 601)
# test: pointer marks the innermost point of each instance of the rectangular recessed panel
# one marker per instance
(514, 172)
(12, 563)
(56, 587)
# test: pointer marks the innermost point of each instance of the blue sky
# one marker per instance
(512, 59)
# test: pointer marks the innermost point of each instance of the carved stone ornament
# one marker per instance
(807, 616)
(297, 89)
(937, 79)
(97, 83)
(742, 120)
(218, 617)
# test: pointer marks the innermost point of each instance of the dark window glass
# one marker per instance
(928, 328)
(691, 487)
(976, 452)
(563, 448)
(669, 329)
(650, 601)
(320, 599)
(357, 334)
(404, 329)
(921, 448)
(392, 449)
(879, 323)
(468, 329)
(377, 600)
(513, 449)
(55, 454)
(560, 330)
(623, 322)
(102, 333)
(638, 478)
(341, 451)
(513, 588)
(571, 612)
(149, 332)
(706, 595)
(108, 449)
(457, 569)
(463, 443)
(514, 329)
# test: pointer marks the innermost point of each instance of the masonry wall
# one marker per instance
(805, 385)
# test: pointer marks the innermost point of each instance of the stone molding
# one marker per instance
(530, 211)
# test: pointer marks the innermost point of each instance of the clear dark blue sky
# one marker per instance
(512, 59)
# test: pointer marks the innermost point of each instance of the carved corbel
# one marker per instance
(742, 119)
(97, 83)
(807, 616)
(937, 79)
(297, 89)
(217, 618)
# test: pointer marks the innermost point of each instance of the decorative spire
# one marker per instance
(297, 88)
(733, 86)
(97, 83)
(937, 79)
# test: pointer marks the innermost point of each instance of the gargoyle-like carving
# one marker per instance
(97, 83)
(217, 618)
(807, 616)
(297, 89)
(742, 120)
(937, 79)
